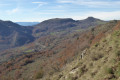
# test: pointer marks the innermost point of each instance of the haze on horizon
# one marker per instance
(39, 10)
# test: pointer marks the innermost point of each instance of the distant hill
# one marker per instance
(12, 35)
(64, 26)
(27, 23)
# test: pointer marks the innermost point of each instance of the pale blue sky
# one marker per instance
(39, 10)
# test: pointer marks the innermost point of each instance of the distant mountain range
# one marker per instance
(64, 26)
(27, 23)
(13, 34)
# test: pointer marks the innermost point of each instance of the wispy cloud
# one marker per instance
(40, 3)
(15, 10)
(91, 3)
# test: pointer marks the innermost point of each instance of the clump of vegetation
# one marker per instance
(81, 71)
(93, 73)
(113, 61)
(26, 61)
(109, 70)
(70, 77)
(39, 74)
(117, 33)
(117, 71)
(91, 64)
(96, 57)
(97, 44)
(117, 53)
(104, 40)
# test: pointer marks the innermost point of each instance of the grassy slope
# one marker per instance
(101, 62)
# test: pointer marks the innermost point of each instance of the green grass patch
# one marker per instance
(116, 33)
(109, 70)
(28, 51)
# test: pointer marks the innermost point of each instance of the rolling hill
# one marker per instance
(58, 43)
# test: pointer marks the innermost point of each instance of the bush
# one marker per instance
(97, 44)
(93, 73)
(81, 71)
(109, 71)
(96, 57)
(26, 61)
(39, 74)
(117, 33)
(71, 77)
(117, 71)
(118, 53)
(104, 40)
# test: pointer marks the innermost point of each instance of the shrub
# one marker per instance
(26, 61)
(81, 71)
(113, 61)
(118, 53)
(91, 64)
(117, 33)
(39, 74)
(117, 71)
(97, 44)
(93, 73)
(96, 57)
(71, 77)
(104, 40)
(109, 71)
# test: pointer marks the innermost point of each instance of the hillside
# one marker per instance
(99, 62)
(13, 35)
(59, 40)
(63, 61)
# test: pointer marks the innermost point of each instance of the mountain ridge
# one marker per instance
(65, 24)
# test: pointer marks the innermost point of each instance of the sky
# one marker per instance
(40, 10)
